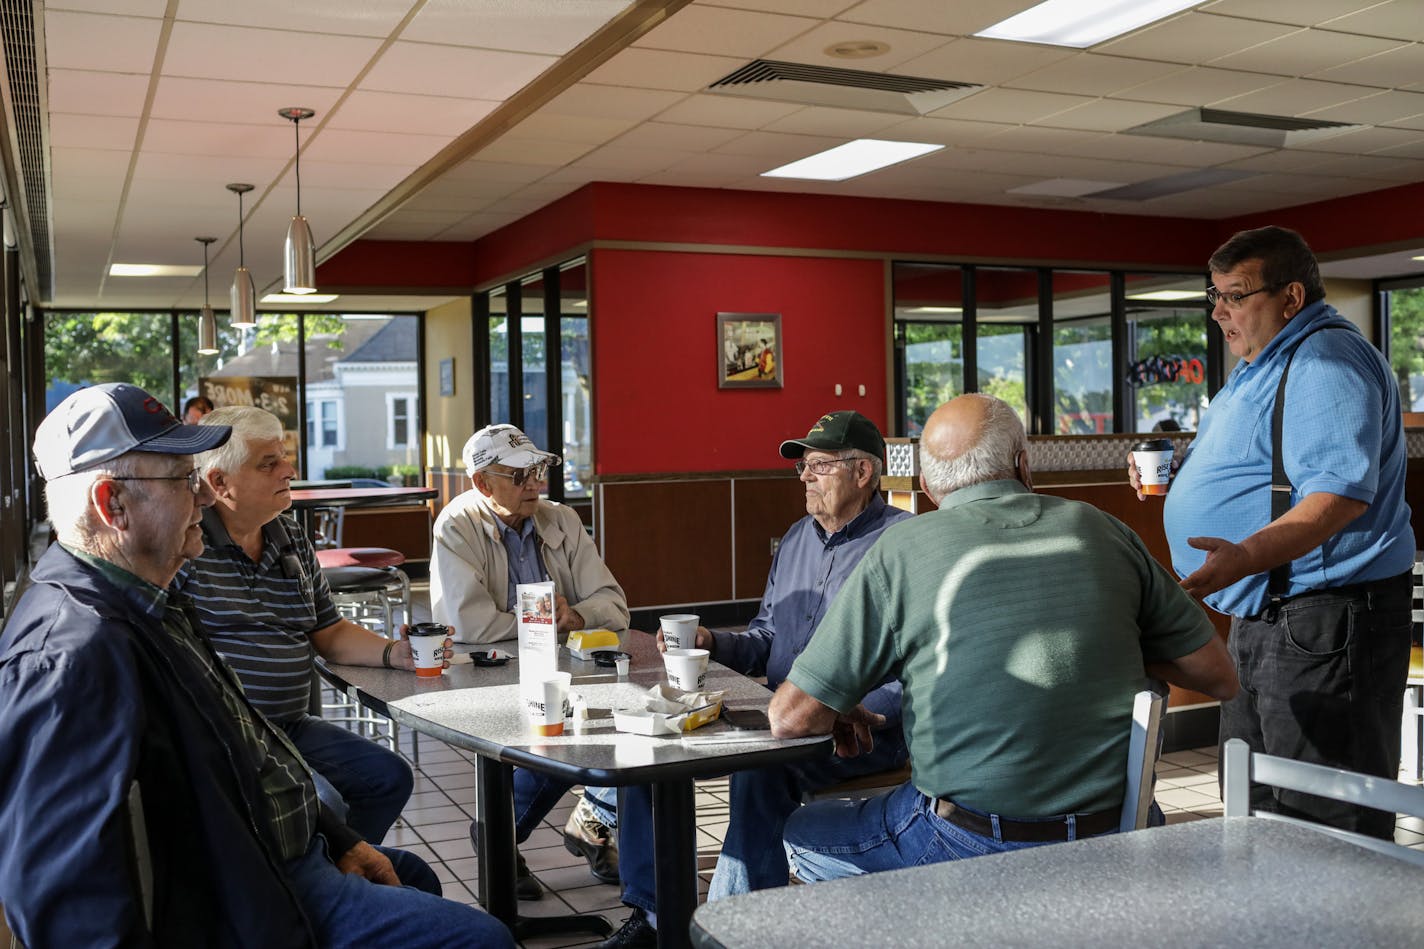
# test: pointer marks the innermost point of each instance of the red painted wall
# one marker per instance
(655, 352)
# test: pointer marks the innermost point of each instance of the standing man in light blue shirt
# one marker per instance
(1323, 652)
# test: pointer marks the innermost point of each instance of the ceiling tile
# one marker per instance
(1297, 12)
(1167, 151)
(100, 163)
(534, 152)
(1194, 38)
(216, 170)
(1110, 115)
(1009, 105)
(208, 51)
(661, 69)
(1294, 97)
(776, 147)
(1089, 74)
(811, 46)
(943, 131)
(96, 42)
(562, 127)
(1305, 52)
(348, 174)
(1033, 138)
(552, 27)
(612, 102)
(97, 93)
(722, 32)
(1201, 86)
(847, 123)
(730, 112)
(630, 161)
(1397, 68)
(1365, 141)
(1279, 160)
(249, 103)
(1369, 166)
(1396, 18)
(218, 138)
(351, 145)
(936, 17)
(353, 17)
(687, 138)
(92, 131)
(1383, 108)
(484, 170)
(427, 69)
(151, 8)
(817, 8)
(369, 111)
(983, 61)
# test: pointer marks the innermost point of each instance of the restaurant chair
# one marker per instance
(1242, 767)
(370, 596)
(1144, 747)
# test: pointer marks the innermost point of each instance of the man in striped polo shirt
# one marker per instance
(263, 600)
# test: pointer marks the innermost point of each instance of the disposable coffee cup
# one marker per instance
(427, 647)
(679, 630)
(687, 668)
(546, 703)
(1153, 459)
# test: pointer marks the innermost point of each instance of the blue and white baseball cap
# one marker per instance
(100, 423)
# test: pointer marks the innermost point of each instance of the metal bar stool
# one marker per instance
(370, 596)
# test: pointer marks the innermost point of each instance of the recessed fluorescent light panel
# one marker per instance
(299, 298)
(153, 270)
(851, 159)
(1082, 23)
(1168, 295)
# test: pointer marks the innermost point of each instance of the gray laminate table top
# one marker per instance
(1240, 881)
(478, 708)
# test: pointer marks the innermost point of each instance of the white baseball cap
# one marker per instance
(503, 444)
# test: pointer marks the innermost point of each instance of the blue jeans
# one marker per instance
(761, 800)
(373, 781)
(349, 910)
(832, 839)
(536, 793)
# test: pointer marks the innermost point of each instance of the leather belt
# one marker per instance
(1026, 832)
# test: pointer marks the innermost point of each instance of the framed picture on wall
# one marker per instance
(749, 351)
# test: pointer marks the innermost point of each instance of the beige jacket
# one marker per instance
(469, 571)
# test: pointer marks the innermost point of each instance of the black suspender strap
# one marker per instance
(1281, 487)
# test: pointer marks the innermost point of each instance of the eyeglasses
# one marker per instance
(822, 467)
(539, 472)
(194, 479)
(1214, 296)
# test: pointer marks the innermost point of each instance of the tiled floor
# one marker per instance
(436, 825)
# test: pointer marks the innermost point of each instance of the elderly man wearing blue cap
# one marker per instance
(125, 734)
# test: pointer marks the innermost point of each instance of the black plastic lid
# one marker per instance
(1153, 444)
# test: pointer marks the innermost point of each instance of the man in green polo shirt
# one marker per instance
(1022, 626)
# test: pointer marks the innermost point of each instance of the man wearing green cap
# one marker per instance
(839, 464)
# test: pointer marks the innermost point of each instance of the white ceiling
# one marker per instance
(447, 119)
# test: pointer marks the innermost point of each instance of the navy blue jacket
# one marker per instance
(93, 695)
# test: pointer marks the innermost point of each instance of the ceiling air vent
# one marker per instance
(22, 88)
(1241, 128)
(843, 88)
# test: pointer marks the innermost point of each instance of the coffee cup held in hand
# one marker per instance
(427, 647)
(1153, 460)
(679, 630)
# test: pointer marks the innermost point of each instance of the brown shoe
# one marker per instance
(588, 837)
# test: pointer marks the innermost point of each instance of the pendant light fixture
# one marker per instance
(300, 251)
(207, 323)
(244, 294)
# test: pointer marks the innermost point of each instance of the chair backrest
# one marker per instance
(1144, 746)
(1241, 767)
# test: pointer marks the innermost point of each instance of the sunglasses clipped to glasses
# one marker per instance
(539, 472)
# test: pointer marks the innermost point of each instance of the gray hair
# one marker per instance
(993, 455)
(248, 423)
(70, 511)
(877, 464)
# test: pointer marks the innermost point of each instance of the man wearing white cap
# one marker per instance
(126, 734)
(488, 540)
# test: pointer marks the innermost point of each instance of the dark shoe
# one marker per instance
(588, 837)
(636, 933)
(525, 886)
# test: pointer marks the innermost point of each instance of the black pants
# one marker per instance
(1324, 683)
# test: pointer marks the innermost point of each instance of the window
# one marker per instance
(1006, 324)
(1405, 308)
(1082, 354)
(1167, 351)
(929, 339)
(400, 420)
(323, 424)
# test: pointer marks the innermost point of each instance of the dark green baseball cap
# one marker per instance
(837, 431)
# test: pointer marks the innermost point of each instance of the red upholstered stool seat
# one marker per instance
(359, 557)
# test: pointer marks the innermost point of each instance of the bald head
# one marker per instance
(970, 439)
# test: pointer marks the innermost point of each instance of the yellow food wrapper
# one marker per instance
(667, 711)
